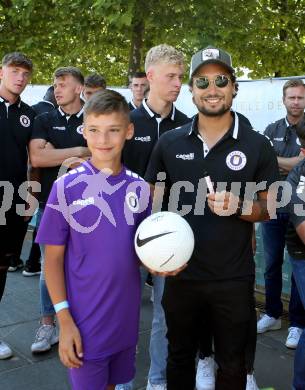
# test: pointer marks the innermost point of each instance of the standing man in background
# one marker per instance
(93, 83)
(286, 144)
(164, 66)
(16, 124)
(57, 136)
(139, 86)
(32, 265)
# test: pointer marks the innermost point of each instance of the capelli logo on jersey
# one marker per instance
(301, 185)
(83, 202)
(189, 156)
(143, 139)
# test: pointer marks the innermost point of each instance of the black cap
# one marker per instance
(211, 55)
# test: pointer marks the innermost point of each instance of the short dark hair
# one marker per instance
(70, 70)
(300, 130)
(106, 102)
(138, 75)
(95, 80)
(18, 59)
(291, 84)
(49, 96)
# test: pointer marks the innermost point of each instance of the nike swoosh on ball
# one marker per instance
(148, 239)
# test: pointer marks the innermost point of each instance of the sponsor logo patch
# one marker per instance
(83, 202)
(143, 139)
(210, 54)
(236, 160)
(188, 156)
(61, 128)
(25, 121)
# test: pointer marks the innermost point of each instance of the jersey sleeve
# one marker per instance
(156, 163)
(54, 226)
(267, 169)
(40, 129)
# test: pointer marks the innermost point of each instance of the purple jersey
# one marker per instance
(95, 216)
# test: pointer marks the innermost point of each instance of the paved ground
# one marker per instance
(19, 319)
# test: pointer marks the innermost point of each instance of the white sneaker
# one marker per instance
(266, 323)
(161, 386)
(5, 351)
(205, 376)
(46, 336)
(293, 337)
(251, 383)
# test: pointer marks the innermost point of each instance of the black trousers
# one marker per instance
(12, 234)
(228, 308)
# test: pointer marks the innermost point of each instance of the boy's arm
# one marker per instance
(70, 344)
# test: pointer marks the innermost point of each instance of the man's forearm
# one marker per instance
(256, 211)
(287, 163)
(54, 157)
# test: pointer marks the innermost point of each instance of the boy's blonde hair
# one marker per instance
(163, 54)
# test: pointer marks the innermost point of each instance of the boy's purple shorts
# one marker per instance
(98, 374)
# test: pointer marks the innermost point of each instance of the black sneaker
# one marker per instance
(31, 269)
(15, 263)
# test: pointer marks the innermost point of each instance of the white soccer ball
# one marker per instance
(164, 241)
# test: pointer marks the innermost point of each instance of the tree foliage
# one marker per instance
(112, 36)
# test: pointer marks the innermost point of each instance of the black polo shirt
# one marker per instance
(296, 178)
(16, 126)
(132, 106)
(148, 127)
(222, 244)
(62, 131)
(43, 106)
(284, 138)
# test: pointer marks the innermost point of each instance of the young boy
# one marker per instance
(92, 271)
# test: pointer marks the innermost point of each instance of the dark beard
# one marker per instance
(220, 112)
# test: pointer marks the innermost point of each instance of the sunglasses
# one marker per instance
(219, 81)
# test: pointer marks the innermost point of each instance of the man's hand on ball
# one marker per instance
(169, 273)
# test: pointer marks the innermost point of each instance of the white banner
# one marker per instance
(259, 100)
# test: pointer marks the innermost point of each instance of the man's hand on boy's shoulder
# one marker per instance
(70, 343)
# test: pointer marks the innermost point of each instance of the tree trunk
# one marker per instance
(137, 33)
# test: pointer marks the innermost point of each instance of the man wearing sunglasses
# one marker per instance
(216, 289)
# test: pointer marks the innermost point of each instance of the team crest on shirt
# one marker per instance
(25, 121)
(236, 160)
(298, 141)
(132, 201)
(80, 129)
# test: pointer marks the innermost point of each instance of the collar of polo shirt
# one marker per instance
(68, 115)
(233, 130)
(17, 102)
(153, 114)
